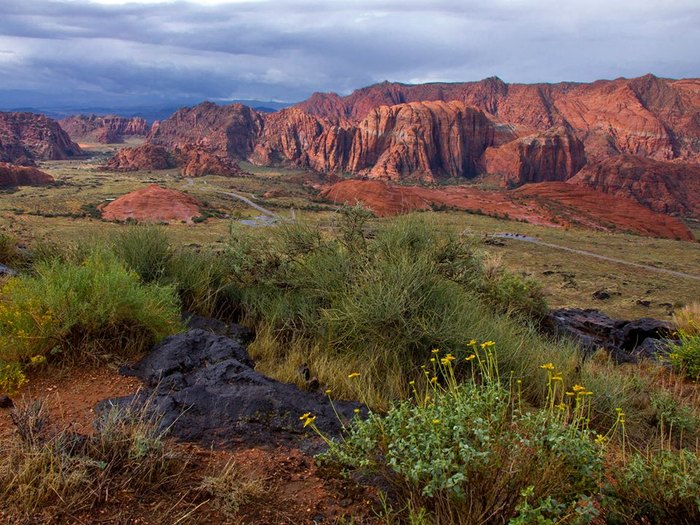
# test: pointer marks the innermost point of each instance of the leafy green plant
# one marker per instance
(469, 453)
(685, 355)
(659, 487)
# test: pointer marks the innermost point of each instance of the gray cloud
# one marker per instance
(136, 53)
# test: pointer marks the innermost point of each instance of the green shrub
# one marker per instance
(685, 355)
(86, 309)
(661, 487)
(144, 249)
(469, 454)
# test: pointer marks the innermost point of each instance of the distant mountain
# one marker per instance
(148, 113)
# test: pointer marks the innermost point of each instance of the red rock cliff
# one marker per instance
(22, 176)
(666, 187)
(108, 129)
(27, 137)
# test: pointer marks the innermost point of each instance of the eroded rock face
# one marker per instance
(667, 187)
(141, 158)
(627, 341)
(109, 129)
(554, 155)
(421, 140)
(195, 162)
(204, 387)
(26, 138)
(228, 131)
(22, 176)
(553, 204)
(153, 204)
(646, 116)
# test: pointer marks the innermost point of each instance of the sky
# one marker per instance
(117, 53)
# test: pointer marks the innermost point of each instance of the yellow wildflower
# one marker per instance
(38, 359)
(328, 392)
(436, 421)
(547, 366)
(354, 375)
(309, 421)
(305, 416)
(435, 350)
(579, 388)
(469, 358)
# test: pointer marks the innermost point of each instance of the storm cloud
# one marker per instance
(119, 52)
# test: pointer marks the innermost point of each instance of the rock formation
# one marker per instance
(26, 138)
(555, 204)
(22, 176)
(647, 116)
(228, 131)
(554, 155)
(421, 140)
(195, 162)
(627, 341)
(109, 129)
(153, 204)
(667, 187)
(141, 158)
(204, 387)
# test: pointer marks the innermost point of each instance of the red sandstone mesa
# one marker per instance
(153, 204)
(109, 129)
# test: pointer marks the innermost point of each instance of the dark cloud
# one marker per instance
(134, 53)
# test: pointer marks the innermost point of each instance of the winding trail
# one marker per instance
(250, 203)
(534, 240)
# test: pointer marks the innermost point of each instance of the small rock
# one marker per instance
(601, 295)
(6, 402)
(6, 271)
(644, 303)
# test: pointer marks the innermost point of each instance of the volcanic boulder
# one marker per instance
(109, 129)
(22, 176)
(141, 158)
(203, 387)
(627, 341)
(26, 138)
(667, 187)
(153, 204)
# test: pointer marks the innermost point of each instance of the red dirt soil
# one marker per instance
(295, 490)
(153, 204)
(549, 203)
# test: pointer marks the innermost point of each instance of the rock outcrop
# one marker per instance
(153, 204)
(27, 137)
(22, 176)
(627, 341)
(421, 140)
(554, 155)
(195, 162)
(568, 204)
(227, 131)
(646, 116)
(672, 188)
(555, 204)
(204, 388)
(141, 158)
(109, 129)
